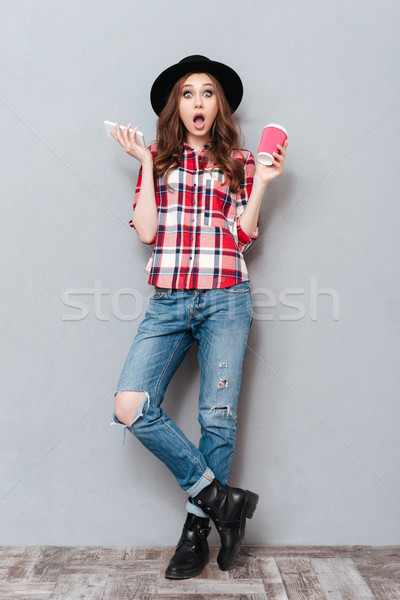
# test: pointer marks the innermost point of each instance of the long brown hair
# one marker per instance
(171, 133)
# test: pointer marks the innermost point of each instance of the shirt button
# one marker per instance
(190, 258)
(192, 238)
(194, 185)
(193, 202)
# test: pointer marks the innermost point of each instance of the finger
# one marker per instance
(132, 134)
(282, 149)
(125, 135)
(129, 133)
(133, 138)
(119, 135)
(115, 136)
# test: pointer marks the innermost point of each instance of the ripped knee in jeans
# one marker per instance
(129, 407)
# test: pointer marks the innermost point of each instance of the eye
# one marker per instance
(208, 93)
(187, 94)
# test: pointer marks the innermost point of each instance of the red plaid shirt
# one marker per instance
(199, 242)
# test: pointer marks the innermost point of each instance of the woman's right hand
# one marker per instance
(127, 141)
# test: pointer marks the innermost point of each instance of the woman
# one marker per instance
(197, 200)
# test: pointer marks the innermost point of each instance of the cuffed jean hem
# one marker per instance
(195, 510)
(201, 483)
(196, 489)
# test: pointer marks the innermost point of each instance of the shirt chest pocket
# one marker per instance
(214, 192)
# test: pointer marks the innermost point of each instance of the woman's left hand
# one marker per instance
(268, 173)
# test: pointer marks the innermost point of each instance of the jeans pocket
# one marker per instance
(243, 287)
(160, 295)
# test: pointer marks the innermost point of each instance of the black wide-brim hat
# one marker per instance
(227, 77)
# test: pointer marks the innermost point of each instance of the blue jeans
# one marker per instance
(219, 320)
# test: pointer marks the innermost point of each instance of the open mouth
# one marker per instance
(198, 121)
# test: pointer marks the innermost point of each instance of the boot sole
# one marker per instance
(249, 506)
(188, 574)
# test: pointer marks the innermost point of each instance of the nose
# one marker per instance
(198, 101)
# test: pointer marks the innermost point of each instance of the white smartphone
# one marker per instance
(139, 138)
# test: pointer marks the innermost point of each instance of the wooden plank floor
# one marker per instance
(258, 573)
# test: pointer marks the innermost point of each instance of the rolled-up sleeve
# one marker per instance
(242, 197)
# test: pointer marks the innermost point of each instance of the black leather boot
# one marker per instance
(191, 554)
(229, 508)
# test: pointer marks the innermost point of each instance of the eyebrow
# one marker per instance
(202, 85)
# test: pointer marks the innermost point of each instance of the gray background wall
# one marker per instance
(318, 425)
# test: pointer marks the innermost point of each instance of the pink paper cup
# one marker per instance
(272, 135)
